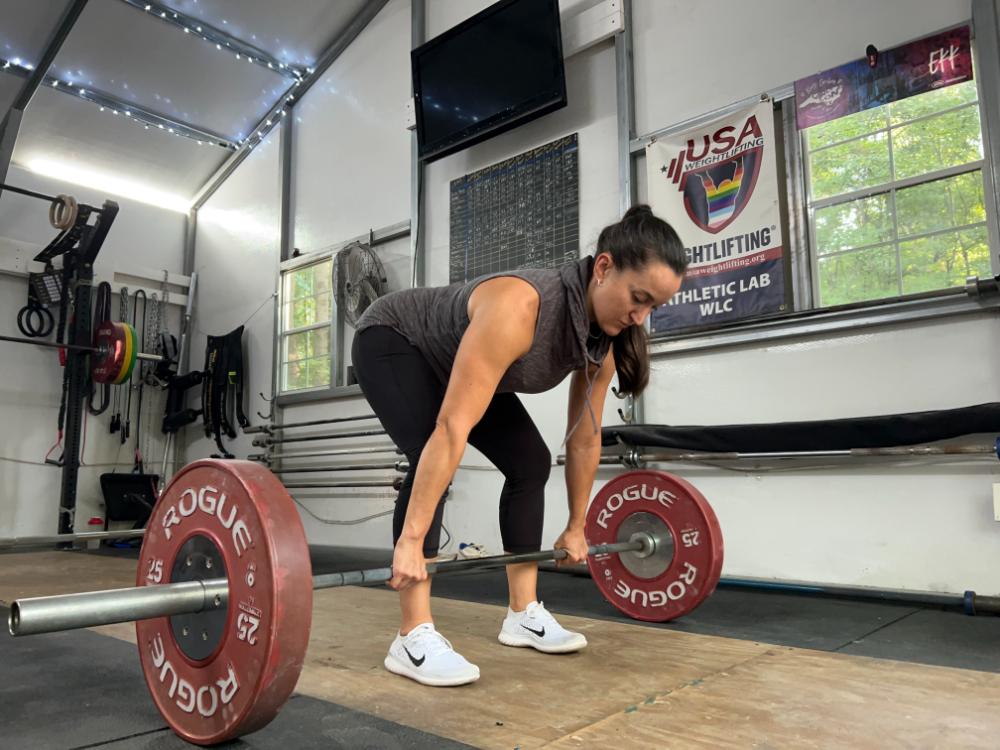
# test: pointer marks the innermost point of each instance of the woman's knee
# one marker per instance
(533, 467)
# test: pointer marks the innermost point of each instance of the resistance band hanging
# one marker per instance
(137, 466)
(102, 314)
(127, 426)
(116, 418)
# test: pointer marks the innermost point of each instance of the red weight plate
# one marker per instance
(696, 565)
(107, 362)
(248, 515)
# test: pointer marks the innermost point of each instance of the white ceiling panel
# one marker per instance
(124, 52)
(294, 32)
(27, 26)
(72, 134)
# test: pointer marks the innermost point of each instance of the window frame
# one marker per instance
(338, 358)
(284, 334)
(890, 189)
(799, 228)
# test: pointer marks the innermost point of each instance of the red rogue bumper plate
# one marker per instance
(249, 517)
(688, 573)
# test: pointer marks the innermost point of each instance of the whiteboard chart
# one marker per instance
(523, 212)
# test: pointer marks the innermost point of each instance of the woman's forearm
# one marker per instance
(581, 468)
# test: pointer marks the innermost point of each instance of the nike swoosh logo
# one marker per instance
(416, 662)
(539, 633)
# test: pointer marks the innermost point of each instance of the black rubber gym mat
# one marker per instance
(930, 636)
(878, 629)
(79, 689)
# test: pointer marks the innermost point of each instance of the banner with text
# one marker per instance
(717, 186)
(915, 68)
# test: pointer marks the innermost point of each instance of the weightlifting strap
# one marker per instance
(223, 387)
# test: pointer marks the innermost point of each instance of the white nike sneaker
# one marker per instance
(537, 628)
(428, 657)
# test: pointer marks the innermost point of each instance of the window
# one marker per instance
(306, 315)
(895, 198)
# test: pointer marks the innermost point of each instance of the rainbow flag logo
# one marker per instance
(722, 197)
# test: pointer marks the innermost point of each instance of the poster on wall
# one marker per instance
(888, 76)
(717, 186)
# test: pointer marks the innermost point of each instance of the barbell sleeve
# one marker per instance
(49, 614)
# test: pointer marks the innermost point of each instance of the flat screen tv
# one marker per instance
(500, 68)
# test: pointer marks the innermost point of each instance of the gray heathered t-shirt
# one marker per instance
(433, 319)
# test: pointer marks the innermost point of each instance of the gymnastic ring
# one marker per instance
(63, 212)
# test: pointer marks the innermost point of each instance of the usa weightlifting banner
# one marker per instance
(717, 185)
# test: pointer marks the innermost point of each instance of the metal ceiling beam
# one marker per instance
(241, 48)
(8, 136)
(143, 115)
(288, 99)
(12, 118)
(52, 47)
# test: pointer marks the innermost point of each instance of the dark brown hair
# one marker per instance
(635, 241)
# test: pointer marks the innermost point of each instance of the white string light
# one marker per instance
(149, 120)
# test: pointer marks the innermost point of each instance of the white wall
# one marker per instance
(352, 151)
(351, 174)
(920, 526)
(368, 146)
(471, 513)
(237, 246)
(141, 237)
(692, 58)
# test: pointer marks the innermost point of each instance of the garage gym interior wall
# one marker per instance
(142, 237)
(921, 526)
(237, 246)
(354, 127)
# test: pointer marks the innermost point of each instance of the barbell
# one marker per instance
(223, 601)
(116, 346)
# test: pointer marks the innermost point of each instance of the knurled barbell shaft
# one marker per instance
(76, 347)
(49, 614)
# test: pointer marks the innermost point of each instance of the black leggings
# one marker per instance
(406, 396)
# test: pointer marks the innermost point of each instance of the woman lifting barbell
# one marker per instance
(441, 368)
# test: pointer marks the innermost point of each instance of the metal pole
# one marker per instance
(418, 33)
(345, 452)
(398, 466)
(48, 614)
(182, 349)
(325, 436)
(315, 422)
(35, 541)
(915, 451)
(360, 483)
